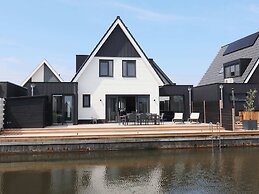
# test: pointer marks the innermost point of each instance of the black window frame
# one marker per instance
(234, 73)
(108, 67)
(127, 68)
(84, 101)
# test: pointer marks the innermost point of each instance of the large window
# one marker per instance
(232, 70)
(106, 68)
(164, 103)
(129, 68)
(172, 103)
(86, 100)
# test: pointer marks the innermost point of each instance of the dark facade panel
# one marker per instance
(254, 79)
(211, 95)
(50, 88)
(3, 90)
(8, 89)
(25, 112)
(211, 113)
(176, 90)
(242, 43)
(117, 45)
(80, 60)
(207, 93)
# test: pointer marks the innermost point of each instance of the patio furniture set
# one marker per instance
(141, 118)
(149, 118)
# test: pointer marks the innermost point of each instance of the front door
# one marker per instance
(62, 109)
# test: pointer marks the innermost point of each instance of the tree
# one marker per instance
(249, 101)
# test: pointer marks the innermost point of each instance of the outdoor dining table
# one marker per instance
(140, 118)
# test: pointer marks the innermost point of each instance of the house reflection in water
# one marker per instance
(177, 171)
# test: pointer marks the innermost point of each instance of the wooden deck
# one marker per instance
(110, 131)
(119, 131)
(119, 137)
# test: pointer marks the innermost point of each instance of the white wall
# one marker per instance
(90, 83)
(38, 76)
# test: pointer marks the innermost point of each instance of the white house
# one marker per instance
(117, 76)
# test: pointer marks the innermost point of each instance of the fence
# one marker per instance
(26, 112)
(2, 108)
(209, 112)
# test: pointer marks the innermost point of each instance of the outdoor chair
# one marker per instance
(194, 117)
(162, 118)
(132, 117)
(178, 116)
(144, 118)
(123, 119)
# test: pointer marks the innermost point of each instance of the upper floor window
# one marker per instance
(232, 70)
(236, 68)
(106, 68)
(129, 68)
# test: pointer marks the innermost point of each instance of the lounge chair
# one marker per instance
(178, 116)
(194, 117)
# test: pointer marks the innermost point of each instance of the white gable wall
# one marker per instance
(89, 82)
(38, 76)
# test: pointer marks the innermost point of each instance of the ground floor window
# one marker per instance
(171, 104)
(86, 100)
(117, 105)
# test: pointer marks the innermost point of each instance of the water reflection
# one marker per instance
(161, 171)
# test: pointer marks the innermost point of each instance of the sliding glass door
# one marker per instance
(111, 108)
(117, 105)
(143, 104)
(62, 109)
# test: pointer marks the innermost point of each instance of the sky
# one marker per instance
(183, 36)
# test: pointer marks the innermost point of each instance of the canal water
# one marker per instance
(231, 170)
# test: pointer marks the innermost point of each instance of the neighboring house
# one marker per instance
(236, 62)
(235, 70)
(117, 77)
(44, 72)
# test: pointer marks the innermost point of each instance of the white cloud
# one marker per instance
(150, 15)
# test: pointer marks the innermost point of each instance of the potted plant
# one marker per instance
(249, 122)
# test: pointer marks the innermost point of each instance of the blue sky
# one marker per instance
(183, 37)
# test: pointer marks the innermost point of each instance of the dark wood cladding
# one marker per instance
(117, 45)
(80, 60)
(8, 89)
(254, 79)
(56, 88)
(211, 95)
(27, 112)
(206, 93)
(50, 88)
(181, 90)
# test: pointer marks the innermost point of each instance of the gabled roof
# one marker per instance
(166, 80)
(44, 62)
(133, 47)
(244, 48)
